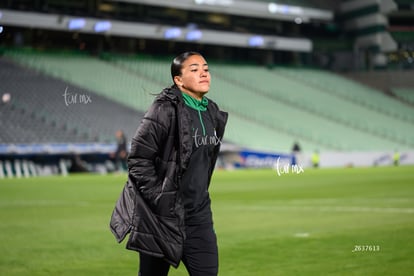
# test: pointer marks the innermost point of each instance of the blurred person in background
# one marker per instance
(296, 152)
(120, 155)
(315, 158)
(172, 158)
(396, 158)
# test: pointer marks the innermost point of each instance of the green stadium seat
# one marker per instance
(269, 108)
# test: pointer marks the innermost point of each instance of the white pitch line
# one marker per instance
(357, 209)
(42, 203)
(301, 235)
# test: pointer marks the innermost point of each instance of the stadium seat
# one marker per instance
(319, 109)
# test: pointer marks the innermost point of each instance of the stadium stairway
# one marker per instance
(287, 85)
(352, 91)
(268, 134)
(269, 109)
(91, 73)
(38, 111)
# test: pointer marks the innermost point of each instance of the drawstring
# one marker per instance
(201, 121)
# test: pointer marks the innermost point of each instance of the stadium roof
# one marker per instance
(260, 9)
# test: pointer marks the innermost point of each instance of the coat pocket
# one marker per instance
(165, 204)
(156, 235)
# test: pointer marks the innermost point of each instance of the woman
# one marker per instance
(165, 204)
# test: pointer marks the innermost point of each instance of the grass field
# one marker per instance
(296, 224)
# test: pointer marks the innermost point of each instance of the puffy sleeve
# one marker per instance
(147, 147)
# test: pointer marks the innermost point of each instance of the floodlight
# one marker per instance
(76, 24)
(172, 33)
(256, 41)
(102, 26)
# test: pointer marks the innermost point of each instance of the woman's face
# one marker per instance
(195, 77)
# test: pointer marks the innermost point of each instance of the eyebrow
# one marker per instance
(196, 64)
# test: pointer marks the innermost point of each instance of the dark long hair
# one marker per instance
(177, 63)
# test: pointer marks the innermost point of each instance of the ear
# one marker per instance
(178, 81)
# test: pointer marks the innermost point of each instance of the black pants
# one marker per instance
(200, 254)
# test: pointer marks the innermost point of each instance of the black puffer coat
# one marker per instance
(150, 207)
